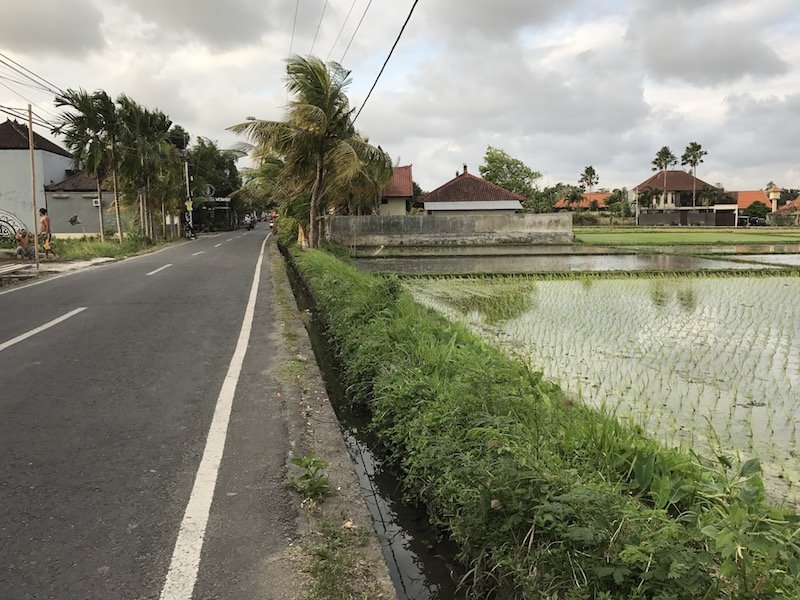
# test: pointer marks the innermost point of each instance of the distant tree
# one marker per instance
(693, 156)
(756, 209)
(417, 190)
(618, 204)
(589, 178)
(664, 160)
(648, 196)
(573, 195)
(508, 172)
(708, 195)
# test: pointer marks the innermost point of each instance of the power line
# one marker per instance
(352, 37)
(347, 18)
(399, 35)
(28, 100)
(294, 26)
(22, 113)
(324, 6)
(53, 87)
(27, 84)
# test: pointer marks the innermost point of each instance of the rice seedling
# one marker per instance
(728, 347)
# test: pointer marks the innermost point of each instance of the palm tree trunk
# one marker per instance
(664, 198)
(100, 210)
(116, 204)
(694, 186)
(316, 192)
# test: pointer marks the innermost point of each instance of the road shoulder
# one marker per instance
(344, 515)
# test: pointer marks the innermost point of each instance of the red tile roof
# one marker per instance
(677, 181)
(401, 185)
(468, 188)
(77, 182)
(744, 199)
(792, 206)
(14, 136)
(586, 201)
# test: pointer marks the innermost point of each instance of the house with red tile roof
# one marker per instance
(51, 164)
(398, 194)
(675, 190)
(595, 200)
(468, 194)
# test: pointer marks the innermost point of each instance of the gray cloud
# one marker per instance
(496, 19)
(220, 24)
(42, 27)
(695, 43)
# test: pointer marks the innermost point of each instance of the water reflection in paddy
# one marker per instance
(556, 264)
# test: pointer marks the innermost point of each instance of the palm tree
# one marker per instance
(317, 141)
(693, 156)
(589, 178)
(143, 141)
(664, 160)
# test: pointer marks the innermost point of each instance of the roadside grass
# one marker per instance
(684, 236)
(545, 497)
(339, 571)
(88, 248)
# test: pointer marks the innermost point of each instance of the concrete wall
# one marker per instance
(456, 230)
(61, 206)
(394, 206)
(15, 180)
(650, 219)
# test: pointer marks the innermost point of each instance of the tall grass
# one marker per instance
(545, 498)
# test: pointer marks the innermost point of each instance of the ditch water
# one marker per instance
(422, 565)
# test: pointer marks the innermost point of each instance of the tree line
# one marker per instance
(142, 156)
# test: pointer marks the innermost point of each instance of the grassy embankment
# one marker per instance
(545, 498)
(632, 236)
(88, 248)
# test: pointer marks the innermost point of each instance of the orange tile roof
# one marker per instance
(746, 198)
(401, 185)
(794, 205)
(586, 201)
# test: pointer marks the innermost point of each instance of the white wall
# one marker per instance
(15, 180)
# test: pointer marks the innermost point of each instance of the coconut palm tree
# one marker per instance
(693, 156)
(317, 142)
(664, 160)
(589, 178)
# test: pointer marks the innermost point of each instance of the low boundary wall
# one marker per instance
(450, 230)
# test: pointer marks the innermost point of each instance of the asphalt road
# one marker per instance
(106, 416)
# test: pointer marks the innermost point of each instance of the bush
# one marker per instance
(544, 498)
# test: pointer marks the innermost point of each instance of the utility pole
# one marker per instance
(33, 187)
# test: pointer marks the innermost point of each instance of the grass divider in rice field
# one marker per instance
(545, 498)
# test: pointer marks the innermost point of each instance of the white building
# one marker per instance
(51, 163)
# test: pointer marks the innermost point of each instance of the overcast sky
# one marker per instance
(559, 85)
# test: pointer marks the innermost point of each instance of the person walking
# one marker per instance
(46, 234)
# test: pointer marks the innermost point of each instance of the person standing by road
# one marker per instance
(24, 248)
(46, 234)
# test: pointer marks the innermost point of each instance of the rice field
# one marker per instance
(707, 363)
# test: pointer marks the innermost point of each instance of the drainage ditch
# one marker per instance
(422, 565)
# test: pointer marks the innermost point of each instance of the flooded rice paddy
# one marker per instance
(571, 263)
(711, 363)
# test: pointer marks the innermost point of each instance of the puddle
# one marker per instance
(420, 564)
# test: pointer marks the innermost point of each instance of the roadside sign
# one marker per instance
(188, 204)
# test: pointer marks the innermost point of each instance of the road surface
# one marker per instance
(120, 387)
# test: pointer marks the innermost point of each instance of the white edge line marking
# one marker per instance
(196, 253)
(183, 568)
(167, 266)
(229, 240)
(41, 328)
(217, 245)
